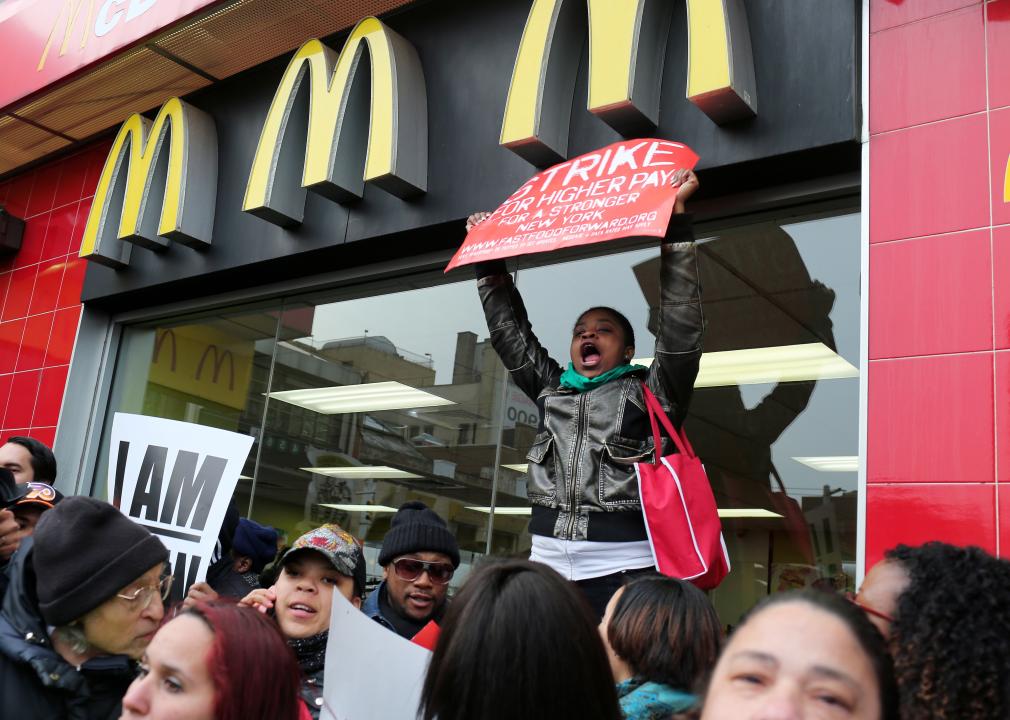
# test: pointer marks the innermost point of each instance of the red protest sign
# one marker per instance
(617, 191)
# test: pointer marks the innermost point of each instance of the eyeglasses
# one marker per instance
(409, 570)
(143, 596)
(851, 597)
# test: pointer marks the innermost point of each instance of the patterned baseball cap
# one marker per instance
(339, 547)
(39, 493)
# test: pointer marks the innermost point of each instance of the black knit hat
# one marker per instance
(86, 551)
(416, 528)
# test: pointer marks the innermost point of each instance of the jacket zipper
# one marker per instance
(573, 485)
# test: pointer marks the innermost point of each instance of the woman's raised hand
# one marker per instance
(687, 182)
(476, 219)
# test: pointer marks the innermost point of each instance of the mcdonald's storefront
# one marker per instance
(238, 215)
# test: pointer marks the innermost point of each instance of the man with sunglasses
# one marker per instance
(419, 556)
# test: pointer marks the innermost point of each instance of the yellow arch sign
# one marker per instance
(396, 152)
(124, 207)
(627, 47)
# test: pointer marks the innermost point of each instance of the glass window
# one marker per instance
(361, 402)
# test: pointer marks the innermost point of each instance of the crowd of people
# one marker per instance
(85, 633)
(585, 628)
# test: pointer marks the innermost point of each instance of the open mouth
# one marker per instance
(301, 610)
(590, 354)
(421, 602)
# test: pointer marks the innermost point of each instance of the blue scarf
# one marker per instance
(651, 701)
(572, 380)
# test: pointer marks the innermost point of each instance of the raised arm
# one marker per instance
(512, 335)
(680, 325)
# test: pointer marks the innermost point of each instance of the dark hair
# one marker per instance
(951, 633)
(518, 641)
(865, 633)
(254, 671)
(629, 332)
(43, 460)
(666, 630)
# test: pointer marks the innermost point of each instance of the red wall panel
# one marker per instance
(938, 425)
(40, 290)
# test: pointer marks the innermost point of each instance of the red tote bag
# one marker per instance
(681, 516)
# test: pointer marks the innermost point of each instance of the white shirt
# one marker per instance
(585, 559)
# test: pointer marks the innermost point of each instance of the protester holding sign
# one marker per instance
(84, 601)
(216, 661)
(587, 519)
(320, 560)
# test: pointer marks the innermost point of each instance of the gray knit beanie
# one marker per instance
(85, 551)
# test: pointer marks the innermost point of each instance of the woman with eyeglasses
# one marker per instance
(319, 562)
(85, 598)
(945, 612)
(216, 661)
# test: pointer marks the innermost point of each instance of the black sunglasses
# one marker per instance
(409, 570)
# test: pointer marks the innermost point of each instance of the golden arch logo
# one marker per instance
(159, 184)
(217, 364)
(627, 46)
(159, 343)
(395, 156)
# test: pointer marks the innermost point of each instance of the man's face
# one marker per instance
(18, 460)
(27, 516)
(421, 597)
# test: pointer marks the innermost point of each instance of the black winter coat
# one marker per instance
(36, 683)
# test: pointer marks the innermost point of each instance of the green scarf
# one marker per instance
(580, 383)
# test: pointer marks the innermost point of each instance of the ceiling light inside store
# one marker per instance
(360, 508)
(518, 467)
(723, 512)
(366, 397)
(782, 363)
(747, 513)
(501, 510)
(359, 472)
(831, 463)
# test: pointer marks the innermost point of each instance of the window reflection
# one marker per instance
(358, 405)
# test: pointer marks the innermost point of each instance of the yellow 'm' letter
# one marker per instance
(627, 47)
(190, 185)
(395, 120)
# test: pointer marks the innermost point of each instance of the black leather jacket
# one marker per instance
(581, 478)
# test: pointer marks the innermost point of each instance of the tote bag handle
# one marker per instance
(656, 413)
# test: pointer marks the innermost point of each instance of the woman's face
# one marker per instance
(305, 593)
(793, 661)
(174, 682)
(598, 344)
(125, 627)
(880, 591)
(618, 667)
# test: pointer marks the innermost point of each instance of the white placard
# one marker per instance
(371, 672)
(176, 478)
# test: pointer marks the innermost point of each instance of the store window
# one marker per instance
(361, 402)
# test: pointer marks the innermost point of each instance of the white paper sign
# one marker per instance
(176, 478)
(371, 672)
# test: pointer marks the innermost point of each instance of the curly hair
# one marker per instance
(951, 633)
